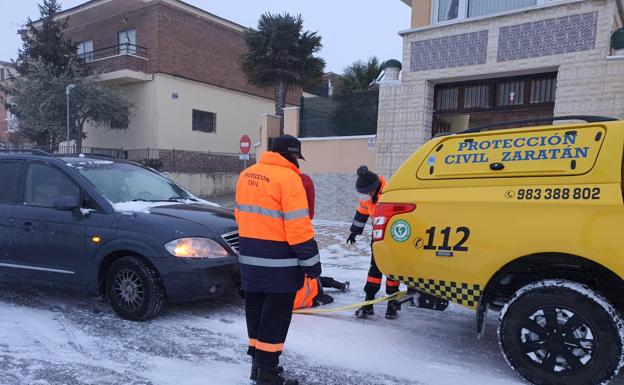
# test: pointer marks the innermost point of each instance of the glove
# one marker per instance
(351, 238)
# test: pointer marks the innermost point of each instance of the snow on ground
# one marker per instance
(49, 337)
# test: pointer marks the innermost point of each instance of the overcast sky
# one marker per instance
(351, 29)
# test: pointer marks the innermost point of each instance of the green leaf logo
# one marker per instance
(400, 231)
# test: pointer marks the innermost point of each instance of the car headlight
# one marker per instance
(196, 248)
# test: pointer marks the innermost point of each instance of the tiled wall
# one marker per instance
(450, 51)
(571, 38)
(561, 35)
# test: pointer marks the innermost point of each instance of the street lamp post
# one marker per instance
(68, 90)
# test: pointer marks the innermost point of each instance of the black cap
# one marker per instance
(367, 180)
(287, 144)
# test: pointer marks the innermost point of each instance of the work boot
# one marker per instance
(273, 377)
(391, 311)
(365, 311)
(254, 370)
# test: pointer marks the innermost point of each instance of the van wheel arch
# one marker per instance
(109, 260)
(536, 267)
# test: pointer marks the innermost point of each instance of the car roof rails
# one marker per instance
(512, 123)
(30, 151)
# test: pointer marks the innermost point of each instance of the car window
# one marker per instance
(44, 185)
(9, 176)
(123, 182)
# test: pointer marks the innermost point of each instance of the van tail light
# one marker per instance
(384, 212)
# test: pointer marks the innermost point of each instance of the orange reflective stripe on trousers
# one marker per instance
(270, 348)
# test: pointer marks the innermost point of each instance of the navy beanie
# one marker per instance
(367, 181)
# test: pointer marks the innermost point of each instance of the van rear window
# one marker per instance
(533, 152)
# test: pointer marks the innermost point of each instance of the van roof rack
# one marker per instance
(507, 124)
(30, 151)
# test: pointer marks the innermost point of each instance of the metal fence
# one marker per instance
(189, 161)
(340, 115)
(166, 160)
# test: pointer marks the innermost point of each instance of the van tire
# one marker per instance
(134, 289)
(562, 316)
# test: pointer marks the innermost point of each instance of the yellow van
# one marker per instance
(528, 221)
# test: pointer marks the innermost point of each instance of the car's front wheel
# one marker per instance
(134, 289)
(559, 332)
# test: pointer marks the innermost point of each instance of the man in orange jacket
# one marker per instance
(371, 187)
(277, 248)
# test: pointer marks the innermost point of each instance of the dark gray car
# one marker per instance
(114, 228)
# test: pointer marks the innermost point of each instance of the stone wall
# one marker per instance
(336, 197)
(587, 83)
(205, 185)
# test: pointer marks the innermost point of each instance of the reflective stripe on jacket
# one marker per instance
(277, 243)
(366, 209)
(306, 295)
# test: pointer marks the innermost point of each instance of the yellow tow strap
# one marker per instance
(395, 296)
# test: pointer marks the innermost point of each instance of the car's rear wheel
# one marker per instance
(557, 332)
(134, 289)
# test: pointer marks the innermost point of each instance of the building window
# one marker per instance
(449, 10)
(204, 121)
(127, 42)
(12, 123)
(510, 93)
(477, 96)
(543, 90)
(85, 51)
(499, 94)
(447, 99)
(486, 7)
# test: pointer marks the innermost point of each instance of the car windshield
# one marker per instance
(123, 182)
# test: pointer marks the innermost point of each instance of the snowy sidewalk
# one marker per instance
(57, 338)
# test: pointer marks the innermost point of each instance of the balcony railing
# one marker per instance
(116, 50)
(119, 57)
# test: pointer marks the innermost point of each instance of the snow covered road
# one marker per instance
(58, 338)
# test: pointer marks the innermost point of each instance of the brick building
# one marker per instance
(472, 62)
(179, 66)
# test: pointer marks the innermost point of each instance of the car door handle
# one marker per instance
(28, 226)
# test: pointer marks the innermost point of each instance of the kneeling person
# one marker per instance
(312, 295)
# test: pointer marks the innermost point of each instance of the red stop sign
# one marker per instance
(245, 144)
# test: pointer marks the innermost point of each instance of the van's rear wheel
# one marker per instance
(559, 332)
(134, 289)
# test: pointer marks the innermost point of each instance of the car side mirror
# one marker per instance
(66, 203)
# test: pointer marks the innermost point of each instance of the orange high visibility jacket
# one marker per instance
(365, 210)
(277, 245)
(306, 295)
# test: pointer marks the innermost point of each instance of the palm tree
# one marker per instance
(359, 76)
(281, 55)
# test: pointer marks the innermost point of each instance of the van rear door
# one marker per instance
(548, 151)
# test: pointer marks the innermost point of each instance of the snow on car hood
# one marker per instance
(145, 207)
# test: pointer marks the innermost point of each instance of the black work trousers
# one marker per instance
(331, 283)
(373, 281)
(268, 319)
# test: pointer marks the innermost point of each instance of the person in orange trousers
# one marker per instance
(370, 186)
